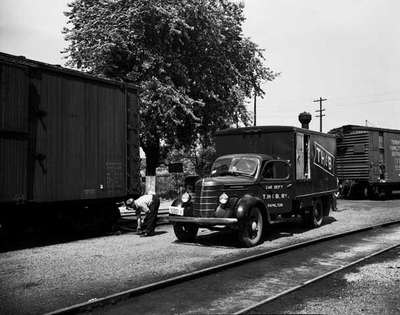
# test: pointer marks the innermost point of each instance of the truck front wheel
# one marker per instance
(185, 232)
(251, 229)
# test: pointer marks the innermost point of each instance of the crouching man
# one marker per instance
(148, 205)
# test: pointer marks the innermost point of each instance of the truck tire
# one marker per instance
(251, 229)
(316, 215)
(185, 232)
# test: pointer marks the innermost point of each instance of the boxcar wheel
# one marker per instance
(251, 229)
(316, 214)
(185, 232)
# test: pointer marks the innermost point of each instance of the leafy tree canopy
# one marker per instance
(190, 58)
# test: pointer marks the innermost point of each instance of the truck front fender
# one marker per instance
(246, 203)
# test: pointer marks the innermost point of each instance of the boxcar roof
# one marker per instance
(362, 128)
(24, 62)
(268, 129)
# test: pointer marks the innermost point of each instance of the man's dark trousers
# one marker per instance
(150, 219)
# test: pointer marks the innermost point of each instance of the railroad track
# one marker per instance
(243, 285)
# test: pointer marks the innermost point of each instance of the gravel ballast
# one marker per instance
(370, 287)
(43, 279)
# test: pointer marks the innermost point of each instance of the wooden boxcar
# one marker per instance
(68, 140)
(368, 160)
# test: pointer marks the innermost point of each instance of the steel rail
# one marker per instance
(306, 283)
(124, 295)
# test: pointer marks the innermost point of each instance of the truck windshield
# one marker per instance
(246, 166)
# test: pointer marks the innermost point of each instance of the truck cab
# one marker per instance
(248, 189)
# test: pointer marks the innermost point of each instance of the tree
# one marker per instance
(190, 58)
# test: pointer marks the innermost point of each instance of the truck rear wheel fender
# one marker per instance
(246, 203)
(327, 204)
(313, 217)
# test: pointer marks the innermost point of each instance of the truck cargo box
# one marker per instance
(65, 135)
(312, 153)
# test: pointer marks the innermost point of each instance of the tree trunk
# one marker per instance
(152, 152)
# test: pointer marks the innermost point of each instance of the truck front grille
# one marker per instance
(205, 200)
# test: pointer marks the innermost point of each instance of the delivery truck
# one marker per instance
(261, 175)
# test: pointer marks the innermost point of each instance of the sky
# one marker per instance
(347, 51)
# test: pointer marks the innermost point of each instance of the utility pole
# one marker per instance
(255, 103)
(320, 110)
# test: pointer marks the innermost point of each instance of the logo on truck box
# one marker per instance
(324, 159)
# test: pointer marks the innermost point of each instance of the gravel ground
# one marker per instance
(46, 278)
(371, 287)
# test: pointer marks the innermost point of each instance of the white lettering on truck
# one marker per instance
(323, 158)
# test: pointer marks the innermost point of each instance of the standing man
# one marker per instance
(147, 204)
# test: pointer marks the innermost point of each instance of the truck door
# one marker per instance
(277, 186)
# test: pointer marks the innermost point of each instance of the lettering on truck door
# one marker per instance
(277, 186)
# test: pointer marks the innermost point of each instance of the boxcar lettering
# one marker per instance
(114, 175)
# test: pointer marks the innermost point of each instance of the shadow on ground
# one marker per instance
(228, 238)
(31, 238)
(360, 196)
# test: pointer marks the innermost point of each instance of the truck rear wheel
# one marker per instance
(315, 216)
(251, 229)
(185, 232)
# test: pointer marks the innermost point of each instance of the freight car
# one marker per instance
(262, 174)
(69, 146)
(368, 160)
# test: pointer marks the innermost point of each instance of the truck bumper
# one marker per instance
(203, 221)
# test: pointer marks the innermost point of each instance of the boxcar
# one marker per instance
(68, 143)
(368, 160)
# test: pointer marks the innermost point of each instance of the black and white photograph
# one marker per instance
(199, 157)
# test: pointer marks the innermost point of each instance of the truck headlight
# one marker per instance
(185, 197)
(223, 199)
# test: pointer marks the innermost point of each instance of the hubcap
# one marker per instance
(254, 226)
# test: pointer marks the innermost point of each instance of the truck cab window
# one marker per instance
(276, 170)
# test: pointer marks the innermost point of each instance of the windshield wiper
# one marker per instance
(245, 174)
(224, 173)
(232, 173)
